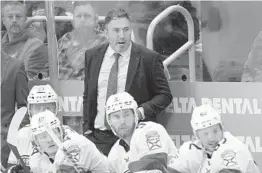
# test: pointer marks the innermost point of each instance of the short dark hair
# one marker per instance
(13, 3)
(82, 3)
(117, 13)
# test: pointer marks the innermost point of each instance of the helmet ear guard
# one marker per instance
(119, 102)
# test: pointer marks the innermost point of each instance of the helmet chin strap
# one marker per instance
(217, 146)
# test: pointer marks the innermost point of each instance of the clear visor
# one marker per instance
(40, 107)
(46, 143)
(44, 136)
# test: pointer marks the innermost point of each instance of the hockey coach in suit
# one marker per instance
(118, 66)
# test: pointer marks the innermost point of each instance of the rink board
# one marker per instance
(240, 104)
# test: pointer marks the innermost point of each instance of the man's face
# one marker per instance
(46, 142)
(123, 122)
(14, 19)
(84, 17)
(210, 136)
(119, 32)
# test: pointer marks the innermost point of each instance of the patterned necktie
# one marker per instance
(112, 81)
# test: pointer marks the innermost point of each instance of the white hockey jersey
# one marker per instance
(148, 138)
(40, 163)
(24, 146)
(230, 154)
(77, 154)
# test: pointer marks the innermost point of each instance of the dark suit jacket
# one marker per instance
(146, 82)
(14, 89)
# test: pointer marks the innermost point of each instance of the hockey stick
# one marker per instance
(59, 144)
(13, 132)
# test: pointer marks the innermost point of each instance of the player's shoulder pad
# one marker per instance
(68, 130)
(76, 139)
(144, 129)
(147, 126)
(234, 143)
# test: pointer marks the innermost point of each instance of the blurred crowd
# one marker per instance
(84, 32)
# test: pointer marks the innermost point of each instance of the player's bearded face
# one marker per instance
(123, 122)
(210, 137)
(41, 107)
(46, 142)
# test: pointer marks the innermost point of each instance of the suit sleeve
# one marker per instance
(162, 96)
(21, 89)
(85, 95)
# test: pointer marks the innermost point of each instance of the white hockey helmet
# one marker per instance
(42, 94)
(205, 116)
(118, 102)
(42, 120)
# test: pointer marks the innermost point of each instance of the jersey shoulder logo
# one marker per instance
(229, 158)
(73, 152)
(153, 140)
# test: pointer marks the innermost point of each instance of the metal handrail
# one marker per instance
(31, 20)
(189, 45)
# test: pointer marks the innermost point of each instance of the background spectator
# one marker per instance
(37, 8)
(72, 45)
(253, 66)
(14, 92)
(21, 43)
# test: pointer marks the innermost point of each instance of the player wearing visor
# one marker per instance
(40, 98)
(214, 150)
(61, 149)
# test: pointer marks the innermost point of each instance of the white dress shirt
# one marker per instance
(106, 66)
